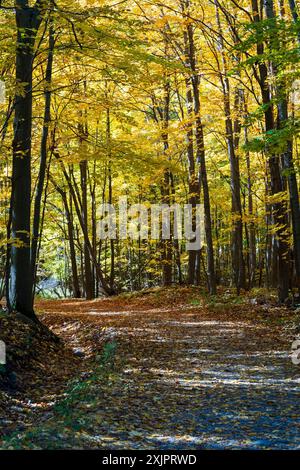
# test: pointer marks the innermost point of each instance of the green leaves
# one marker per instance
(274, 141)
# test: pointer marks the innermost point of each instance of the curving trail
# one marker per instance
(183, 378)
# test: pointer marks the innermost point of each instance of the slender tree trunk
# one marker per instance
(201, 160)
(89, 291)
(101, 278)
(43, 157)
(176, 242)
(252, 239)
(110, 197)
(295, 15)
(70, 227)
(20, 285)
(192, 181)
(93, 184)
(280, 245)
(238, 265)
(288, 167)
(166, 244)
(167, 270)
(83, 135)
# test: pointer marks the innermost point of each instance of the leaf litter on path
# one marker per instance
(181, 377)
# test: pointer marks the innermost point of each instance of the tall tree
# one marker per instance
(28, 20)
(279, 212)
(36, 225)
(238, 263)
(200, 154)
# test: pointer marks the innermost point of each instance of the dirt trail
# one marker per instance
(183, 378)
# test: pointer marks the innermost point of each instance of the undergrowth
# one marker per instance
(69, 413)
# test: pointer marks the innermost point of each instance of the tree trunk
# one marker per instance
(201, 160)
(110, 197)
(280, 244)
(102, 279)
(288, 167)
(89, 290)
(69, 217)
(43, 157)
(252, 239)
(20, 285)
(295, 15)
(238, 265)
(192, 178)
(166, 244)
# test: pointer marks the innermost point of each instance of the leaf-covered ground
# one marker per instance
(166, 371)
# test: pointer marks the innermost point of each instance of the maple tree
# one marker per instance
(185, 101)
(116, 111)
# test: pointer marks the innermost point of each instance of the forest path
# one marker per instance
(182, 378)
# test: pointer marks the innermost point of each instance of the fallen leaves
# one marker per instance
(182, 376)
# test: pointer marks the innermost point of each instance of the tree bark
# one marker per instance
(167, 270)
(43, 157)
(89, 290)
(105, 285)
(288, 167)
(295, 15)
(238, 264)
(21, 282)
(75, 279)
(281, 246)
(200, 153)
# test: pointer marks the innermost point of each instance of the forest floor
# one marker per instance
(167, 369)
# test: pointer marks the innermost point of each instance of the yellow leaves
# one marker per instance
(160, 22)
(163, 20)
(20, 88)
(277, 198)
(91, 3)
(172, 20)
(16, 242)
(250, 218)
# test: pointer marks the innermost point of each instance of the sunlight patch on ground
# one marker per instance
(217, 323)
(229, 380)
(268, 353)
(177, 438)
(203, 350)
(111, 314)
(212, 442)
